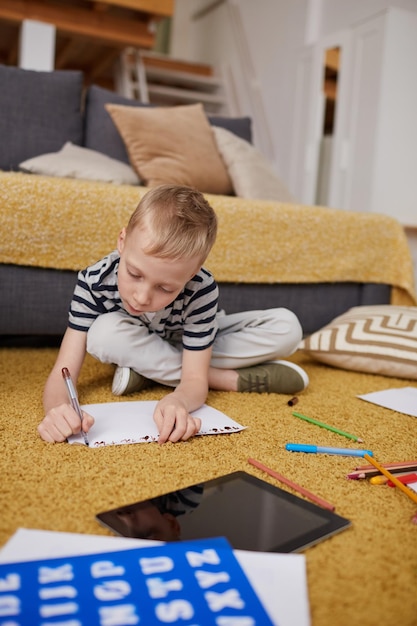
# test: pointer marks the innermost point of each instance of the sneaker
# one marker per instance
(126, 380)
(273, 377)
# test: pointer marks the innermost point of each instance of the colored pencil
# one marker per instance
(411, 494)
(290, 483)
(406, 479)
(383, 480)
(369, 473)
(326, 426)
(408, 464)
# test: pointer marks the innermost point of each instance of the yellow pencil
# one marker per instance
(411, 494)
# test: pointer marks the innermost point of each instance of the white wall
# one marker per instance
(338, 14)
(254, 44)
(274, 33)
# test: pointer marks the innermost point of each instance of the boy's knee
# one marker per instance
(286, 320)
(101, 334)
(295, 325)
(290, 326)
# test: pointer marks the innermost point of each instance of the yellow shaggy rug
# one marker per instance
(365, 575)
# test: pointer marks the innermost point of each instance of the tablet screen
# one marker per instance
(251, 513)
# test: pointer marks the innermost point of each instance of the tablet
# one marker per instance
(251, 513)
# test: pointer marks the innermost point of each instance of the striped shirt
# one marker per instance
(189, 320)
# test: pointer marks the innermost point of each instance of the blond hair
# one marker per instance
(180, 221)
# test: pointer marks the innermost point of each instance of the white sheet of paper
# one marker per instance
(280, 580)
(403, 400)
(132, 422)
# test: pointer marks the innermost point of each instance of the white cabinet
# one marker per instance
(374, 162)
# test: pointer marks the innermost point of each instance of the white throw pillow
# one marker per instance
(77, 162)
(250, 172)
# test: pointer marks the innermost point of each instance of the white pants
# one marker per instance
(244, 339)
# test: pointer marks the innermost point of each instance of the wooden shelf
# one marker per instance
(183, 79)
(171, 94)
(159, 79)
(90, 34)
(163, 8)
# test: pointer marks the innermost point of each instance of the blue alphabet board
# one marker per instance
(190, 583)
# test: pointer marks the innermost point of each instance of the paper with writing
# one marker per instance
(118, 423)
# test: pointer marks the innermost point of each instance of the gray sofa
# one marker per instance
(39, 113)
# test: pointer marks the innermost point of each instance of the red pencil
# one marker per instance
(290, 483)
(405, 480)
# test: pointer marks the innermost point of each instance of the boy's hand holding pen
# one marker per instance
(72, 394)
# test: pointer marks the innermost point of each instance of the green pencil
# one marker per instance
(323, 425)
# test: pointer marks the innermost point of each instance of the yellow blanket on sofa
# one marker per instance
(69, 224)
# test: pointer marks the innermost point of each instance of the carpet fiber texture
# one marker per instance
(366, 574)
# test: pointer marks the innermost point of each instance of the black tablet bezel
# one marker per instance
(332, 523)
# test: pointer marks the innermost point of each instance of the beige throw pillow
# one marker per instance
(77, 162)
(379, 339)
(251, 174)
(172, 145)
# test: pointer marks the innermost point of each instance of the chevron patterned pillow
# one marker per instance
(379, 339)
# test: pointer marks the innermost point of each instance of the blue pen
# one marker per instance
(303, 447)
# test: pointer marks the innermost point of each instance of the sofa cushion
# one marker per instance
(78, 162)
(239, 126)
(39, 112)
(379, 339)
(101, 134)
(172, 145)
(251, 174)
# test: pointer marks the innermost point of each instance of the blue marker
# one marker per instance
(302, 447)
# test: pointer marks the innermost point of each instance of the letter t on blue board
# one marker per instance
(185, 582)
